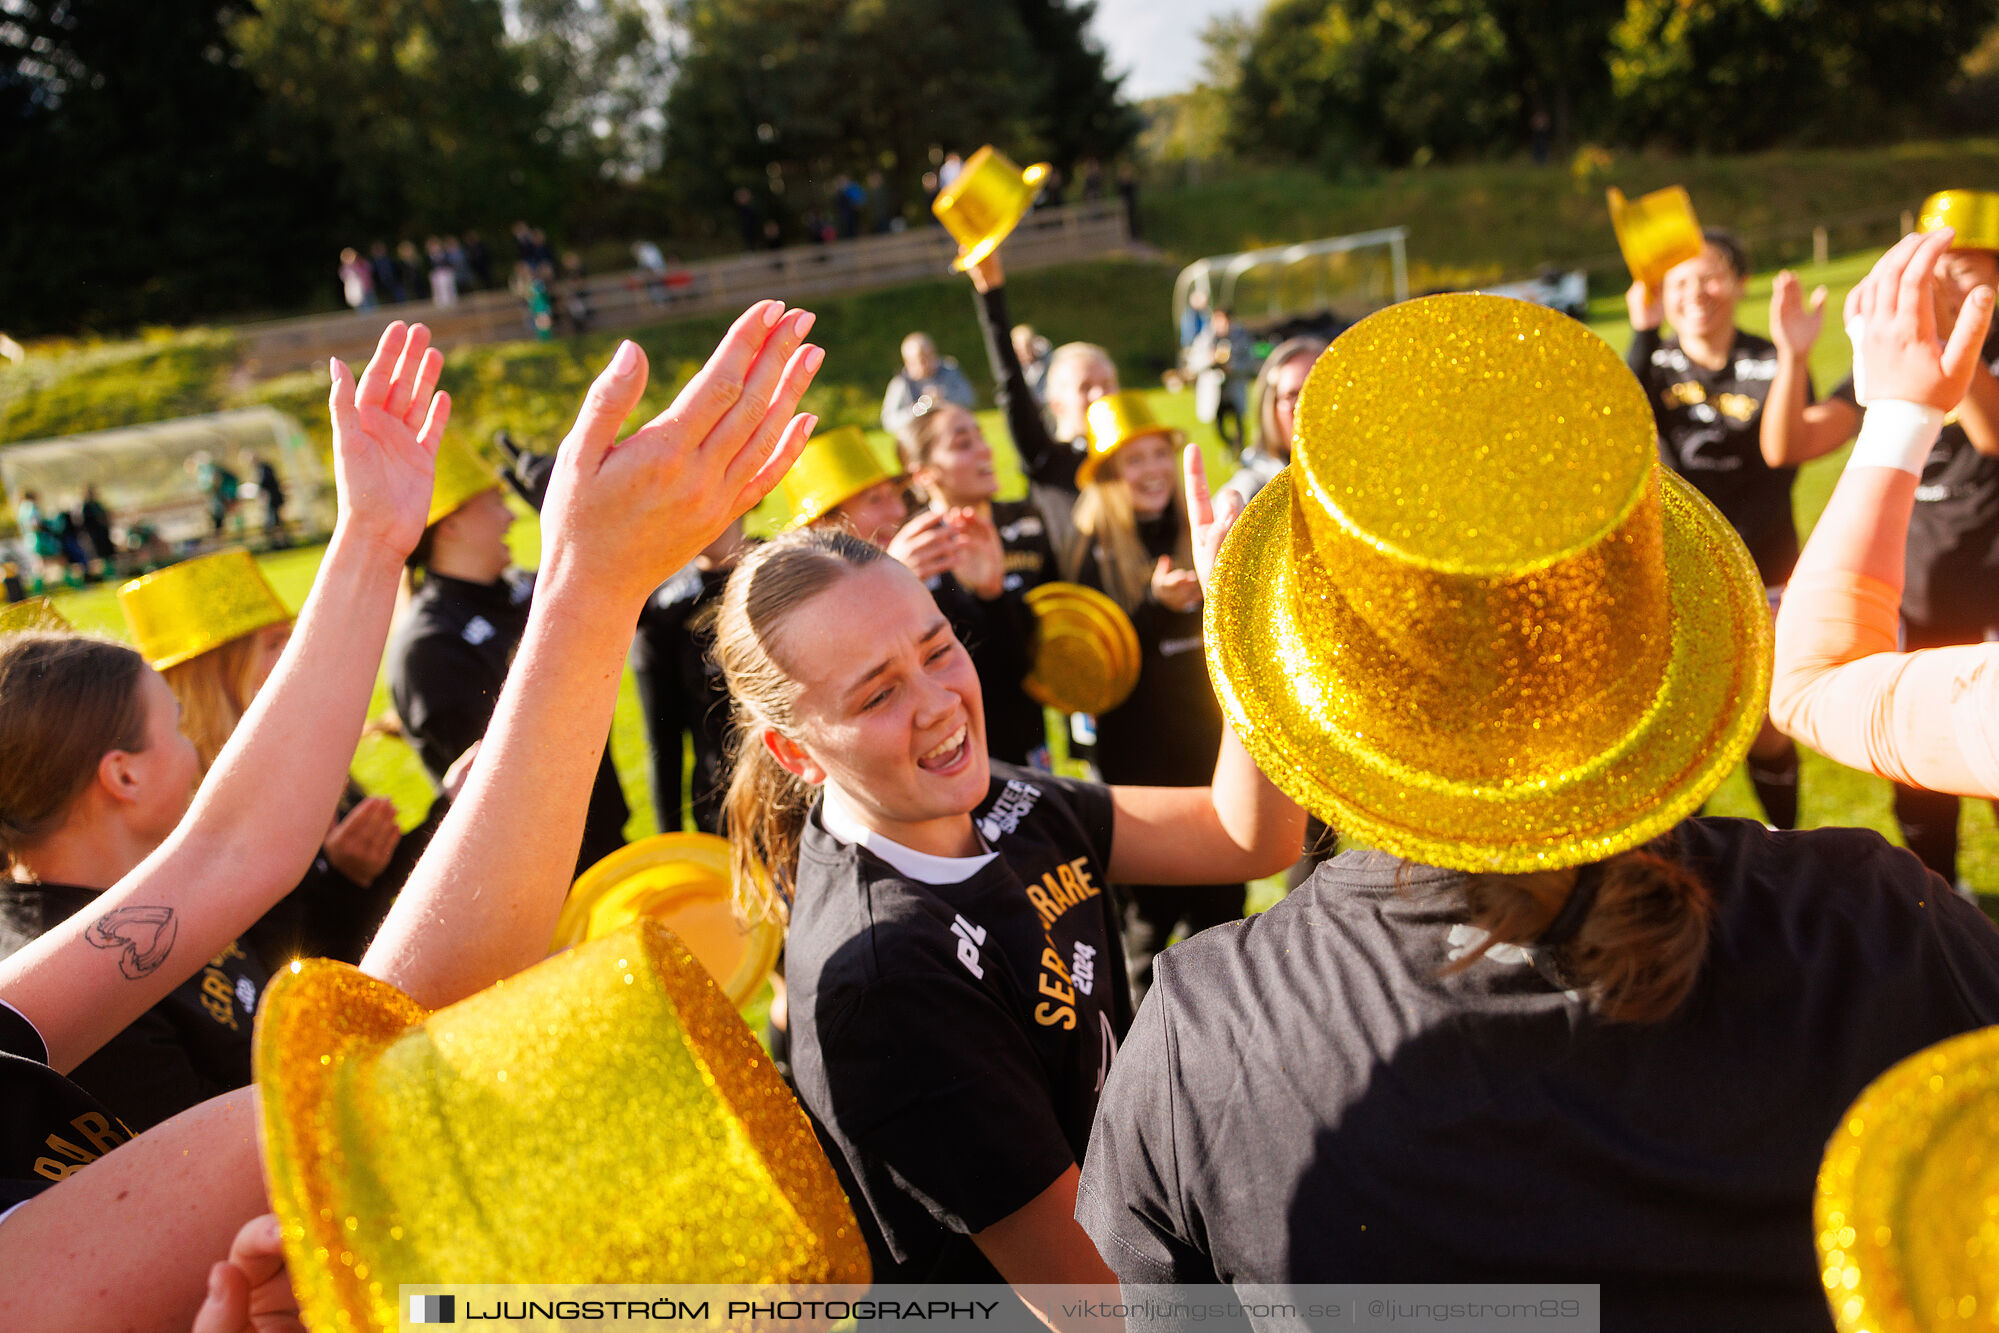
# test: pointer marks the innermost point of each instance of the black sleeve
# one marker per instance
(446, 701)
(929, 1076)
(1043, 458)
(145, 1074)
(664, 705)
(1638, 356)
(1092, 807)
(1129, 1199)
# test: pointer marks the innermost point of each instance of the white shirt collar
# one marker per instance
(922, 867)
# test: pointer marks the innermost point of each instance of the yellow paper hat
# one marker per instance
(1907, 1212)
(1085, 651)
(33, 613)
(835, 467)
(682, 881)
(1973, 214)
(182, 611)
(986, 202)
(1115, 420)
(1655, 232)
(604, 1116)
(1474, 623)
(461, 474)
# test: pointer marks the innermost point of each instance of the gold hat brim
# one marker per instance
(1972, 214)
(969, 255)
(1904, 1209)
(1086, 471)
(1075, 671)
(682, 881)
(1058, 598)
(1275, 686)
(554, 1128)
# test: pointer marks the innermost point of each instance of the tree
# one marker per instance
(1736, 74)
(604, 74)
(141, 186)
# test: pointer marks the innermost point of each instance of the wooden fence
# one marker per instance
(1046, 237)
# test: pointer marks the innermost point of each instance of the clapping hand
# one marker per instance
(632, 512)
(1896, 331)
(980, 563)
(926, 544)
(386, 430)
(1794, 326)
(1211, 525)
(363, 842)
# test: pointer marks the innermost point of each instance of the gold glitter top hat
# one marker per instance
(1474, 623)
(461, 474)
(182, 611)
(1973, 214)
(986, 202)
(1655, 232)
(834, 468)
(1115, 420)
(1907, 1213)
(1085, 652)
(33, 613)
(604, 1116)
(682, 881)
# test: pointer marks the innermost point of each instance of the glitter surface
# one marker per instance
(184, 610)
(1655, 232)
(602, 1117)
(1086, 651)
(1907, 1213)
(682, 881)
(1474, 624)
(34, 613)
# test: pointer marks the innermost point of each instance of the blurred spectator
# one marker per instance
(953, 164)
(1194, 319)
(479, 259)
(849, 199)
(1032, 351)
(1222, 360)
(10, 579)
(931, 189)
(923, 374)
(1051, 195)
(533, 292)
(96, 525)
(1127, 188)
(69, 532)
(1093, 180)
(388, 282)
(653, 264)
(40, 535)
(443, 277)
(454, 255)
(414, 272)
(881, 206)
(219, 487)
(357, 280)
(272, 492)
(576, 311)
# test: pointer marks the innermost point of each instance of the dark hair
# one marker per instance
(66, 700)
(1731, 247)
(1634, 943)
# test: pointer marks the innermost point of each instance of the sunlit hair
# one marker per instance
(764, 810)
(66, 700)
(215, 690)
(1107, 524)
(1267, 437)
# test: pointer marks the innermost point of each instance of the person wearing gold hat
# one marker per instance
(1134, 543)
(481, 907)
(1707, 382)
(1555, 1028)
(214, 628)
(957, 986)
(1926, 718)
(1950, 587)
(455, 641)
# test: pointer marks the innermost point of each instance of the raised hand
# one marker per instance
(1210, 525)
(981, 560)
(1642, 302)
(1893, 314)
(1794, 326)
(987, 273)
(361, 845)
(386, 430)
(634, 511)
(926, 544)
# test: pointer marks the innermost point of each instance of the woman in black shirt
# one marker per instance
(956, 986)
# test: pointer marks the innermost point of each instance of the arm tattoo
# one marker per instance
(144, 934)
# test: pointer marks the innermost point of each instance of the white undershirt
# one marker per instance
(922, 867)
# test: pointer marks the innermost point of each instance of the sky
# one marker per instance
(1158, 42)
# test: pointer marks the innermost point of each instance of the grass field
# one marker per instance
(1830, 793)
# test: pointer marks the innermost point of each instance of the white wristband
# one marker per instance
(1896, 434)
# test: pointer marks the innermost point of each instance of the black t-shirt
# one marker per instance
(1950, 592)
(1304, 1098)
(1710, 424)
(682, 691)
(950, 1040)
(1166, 734)
(49, 1127)
(447, 662)
(192, 1045)
(1029, 548)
